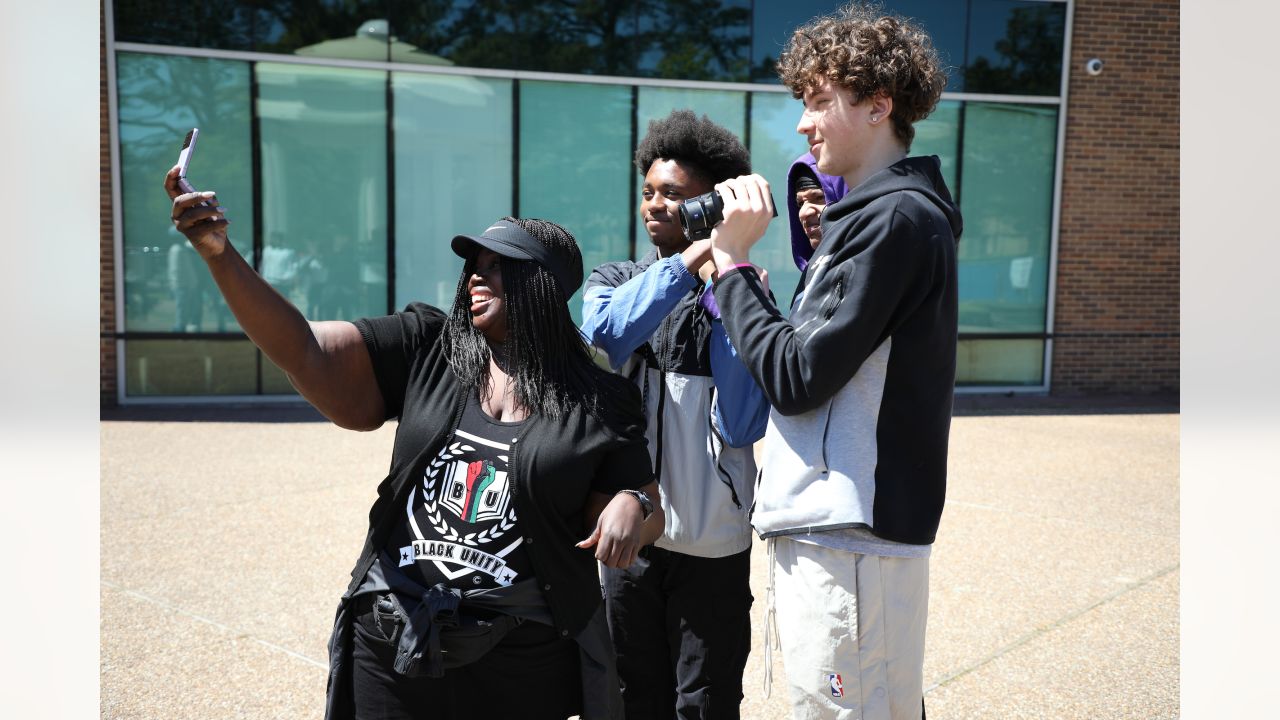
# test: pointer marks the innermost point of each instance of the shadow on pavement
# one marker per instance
(1017, 404)
(965, 406)
(298, 412)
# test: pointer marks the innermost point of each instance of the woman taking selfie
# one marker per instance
(517, 465)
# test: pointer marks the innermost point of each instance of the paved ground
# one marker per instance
(225, 544)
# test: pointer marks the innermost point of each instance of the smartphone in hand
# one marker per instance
(184, 159)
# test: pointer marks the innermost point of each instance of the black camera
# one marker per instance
(698, 215)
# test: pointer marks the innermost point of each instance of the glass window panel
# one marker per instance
(697, 41)
(944, 20)
(775, 144)
(938, 135)
(1000, 362)
(1006, 201)
(223, 24)
(166, 284)
(1015, 47)
(346, 29)
(324, 188)
(724, 107)
(773, 24)
(190, 367)
(575, 166)
(571, 37)
(453, 146)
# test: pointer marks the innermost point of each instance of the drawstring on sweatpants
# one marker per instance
(770, 621)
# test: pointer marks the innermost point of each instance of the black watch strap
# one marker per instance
(646, 505)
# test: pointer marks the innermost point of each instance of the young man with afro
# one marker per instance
(860, 375)
(680, 615)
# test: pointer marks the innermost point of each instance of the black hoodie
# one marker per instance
(861, 375)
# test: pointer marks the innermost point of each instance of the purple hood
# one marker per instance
(833, 187)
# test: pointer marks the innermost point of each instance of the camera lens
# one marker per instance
(699, 214)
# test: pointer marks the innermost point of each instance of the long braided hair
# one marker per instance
(547, 356)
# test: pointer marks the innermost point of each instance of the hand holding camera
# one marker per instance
(699, 215)
(747, 207)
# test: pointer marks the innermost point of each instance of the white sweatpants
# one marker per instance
(851, 629)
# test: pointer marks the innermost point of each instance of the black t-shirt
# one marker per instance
(554, 463)
(459, 526)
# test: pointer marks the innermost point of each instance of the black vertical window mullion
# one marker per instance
(746, 126)
(255, 159)
(631, 198)
(968, 24)
(515, 147)
(391, 194)
(960, 119)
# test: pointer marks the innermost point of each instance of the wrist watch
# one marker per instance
(646, 505)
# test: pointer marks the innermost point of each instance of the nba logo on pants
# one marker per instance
(837, 687)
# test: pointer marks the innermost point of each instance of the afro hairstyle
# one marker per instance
(705, 148)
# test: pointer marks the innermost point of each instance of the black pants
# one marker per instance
(533, 673)
(681, 626)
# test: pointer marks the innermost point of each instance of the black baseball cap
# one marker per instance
(510, 240)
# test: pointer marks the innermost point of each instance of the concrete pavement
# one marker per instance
(1054, 582)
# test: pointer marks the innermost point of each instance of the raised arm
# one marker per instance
(864, 296)
(326, 361)
(619, 319)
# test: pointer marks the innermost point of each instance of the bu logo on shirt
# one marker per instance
(475, 491)
(837, 686)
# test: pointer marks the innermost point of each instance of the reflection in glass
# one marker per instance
(938, 135)
(1015, 47)
(453, 146)
(726, 108)
(707, 40)
(166, 285)
(773, 24)
(351, 29)
(222, 24)
(575, 165)
(1000, 362)
(1007, 201)
(190, 367)
(324, 188)
(571, 36)
(944, 20)
(775, 144)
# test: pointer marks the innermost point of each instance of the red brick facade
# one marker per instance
(1117, 318)
(107, 276)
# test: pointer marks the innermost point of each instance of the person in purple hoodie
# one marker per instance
(809, 192)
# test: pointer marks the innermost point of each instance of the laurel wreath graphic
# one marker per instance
(434, 515)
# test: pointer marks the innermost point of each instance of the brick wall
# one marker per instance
(1117, 318)
(107, 277)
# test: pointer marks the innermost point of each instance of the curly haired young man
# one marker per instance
(860, 375)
